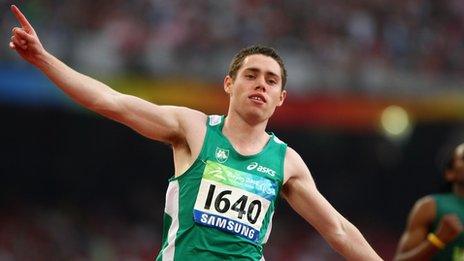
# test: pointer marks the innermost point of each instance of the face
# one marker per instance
(257, 89)
(456, 174)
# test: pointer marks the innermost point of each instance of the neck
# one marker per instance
(247, 137)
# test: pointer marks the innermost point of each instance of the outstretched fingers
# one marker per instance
(22, 19)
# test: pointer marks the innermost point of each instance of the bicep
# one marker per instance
(301, 193)
(162, 123)
(309, 203)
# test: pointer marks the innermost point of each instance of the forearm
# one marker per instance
(424, 251)
(83, 89)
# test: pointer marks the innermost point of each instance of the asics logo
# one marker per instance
(252, 166)
(262, 169)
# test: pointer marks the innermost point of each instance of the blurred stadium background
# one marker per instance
(375, 101)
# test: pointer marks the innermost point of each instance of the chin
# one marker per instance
(257, 116)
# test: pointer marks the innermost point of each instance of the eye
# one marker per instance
(272, 82)
(249, 76)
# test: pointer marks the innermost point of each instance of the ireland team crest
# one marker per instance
(221, 155)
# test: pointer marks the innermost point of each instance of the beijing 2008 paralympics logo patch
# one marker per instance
(221, 155)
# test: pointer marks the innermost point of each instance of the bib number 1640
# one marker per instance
(222, 204)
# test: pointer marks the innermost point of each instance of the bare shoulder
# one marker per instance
(187, 146)
(423, 211)
(192, 124)
(424, 204)
(294, 165)
(190, 118)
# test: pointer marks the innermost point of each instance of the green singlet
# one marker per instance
(447, 204)
(221, 208)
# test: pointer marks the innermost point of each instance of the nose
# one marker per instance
(261, 84)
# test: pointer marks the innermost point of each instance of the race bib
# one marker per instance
(233, 201)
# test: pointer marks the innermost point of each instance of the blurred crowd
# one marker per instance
(34, 233)
(361, 45)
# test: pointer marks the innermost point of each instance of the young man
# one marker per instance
(434, 230)
(228, 170)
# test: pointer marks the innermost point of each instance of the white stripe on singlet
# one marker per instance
(172, 209)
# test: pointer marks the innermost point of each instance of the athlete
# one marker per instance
(229, 171)
(434, 230)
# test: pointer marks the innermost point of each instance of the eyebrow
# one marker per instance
(254, 69)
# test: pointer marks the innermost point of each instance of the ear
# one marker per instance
(228, 82)
(283, 95)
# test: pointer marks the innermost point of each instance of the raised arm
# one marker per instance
(301, 193)
(164, 123)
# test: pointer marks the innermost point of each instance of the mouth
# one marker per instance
(257, 98)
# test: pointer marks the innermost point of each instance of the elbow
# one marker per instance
(348, 241)
(106, 105)
(338, 238)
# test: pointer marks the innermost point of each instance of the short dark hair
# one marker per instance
(237, 61)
